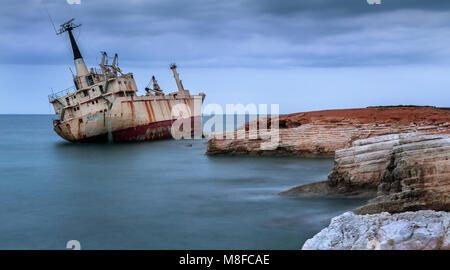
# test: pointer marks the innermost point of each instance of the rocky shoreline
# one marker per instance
(382, 167)
(321, 133)
(399, 156)
(424, 229)
(406, 172)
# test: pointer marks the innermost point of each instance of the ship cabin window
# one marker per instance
(96, 101)
(120, 94)
(93, 89)
(76, 84)
(101, 88)
(85, 92)
(80, 120)
(67, 101)
(89, 80)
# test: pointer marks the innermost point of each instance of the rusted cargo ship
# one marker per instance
(103, 106)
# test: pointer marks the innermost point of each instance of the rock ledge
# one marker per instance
(424, 229)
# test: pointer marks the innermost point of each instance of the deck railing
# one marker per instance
(61, 93)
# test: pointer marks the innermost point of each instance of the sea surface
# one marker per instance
(151, 195)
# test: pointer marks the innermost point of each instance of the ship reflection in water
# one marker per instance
(150, 195)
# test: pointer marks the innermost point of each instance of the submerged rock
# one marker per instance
(424, 229)
(323, 188)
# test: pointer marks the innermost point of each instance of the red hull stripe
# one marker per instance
(148, 132)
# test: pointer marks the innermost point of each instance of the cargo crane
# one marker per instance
(156, 89)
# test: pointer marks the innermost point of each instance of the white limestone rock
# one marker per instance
(424, 229)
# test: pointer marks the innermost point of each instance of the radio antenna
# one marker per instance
(67, 26)
(50, 17)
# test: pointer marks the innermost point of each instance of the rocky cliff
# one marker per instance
(417, 176)
(409, 230)
(405, 171)
(409, 172)
(321, 133)
(399, 155)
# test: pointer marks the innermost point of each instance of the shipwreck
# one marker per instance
(103, 105)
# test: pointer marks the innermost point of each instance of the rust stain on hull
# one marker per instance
(153, 112)
(69, 130)
(149, 114)
(170, 109)
(132, 110)
(79, 130)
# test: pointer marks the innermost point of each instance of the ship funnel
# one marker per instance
(80, 66)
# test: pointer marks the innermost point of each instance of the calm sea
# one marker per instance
(150, 195)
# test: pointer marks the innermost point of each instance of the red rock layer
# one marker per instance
(321, 133)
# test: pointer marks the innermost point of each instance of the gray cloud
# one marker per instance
(237, 33)
(338, 8)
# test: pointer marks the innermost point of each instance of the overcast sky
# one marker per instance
(304, 54)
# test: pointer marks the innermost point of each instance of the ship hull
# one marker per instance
(147, 132)
(138, 119)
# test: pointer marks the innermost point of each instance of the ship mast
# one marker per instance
(80, 66)
(173, 67)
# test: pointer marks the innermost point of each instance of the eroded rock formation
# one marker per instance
(399, 155)
(424, 229)
(410, 172)
(405, 171)
(321, 133)
(416, 177)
